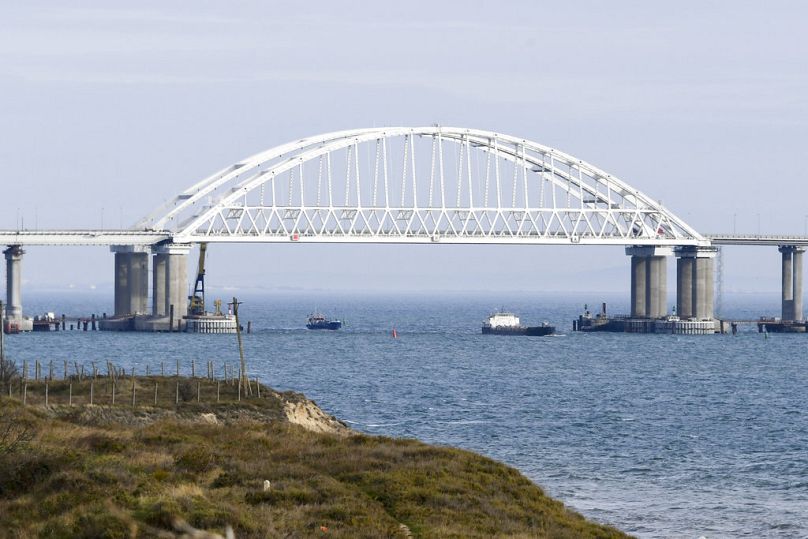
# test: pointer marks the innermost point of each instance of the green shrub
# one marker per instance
(196, 460)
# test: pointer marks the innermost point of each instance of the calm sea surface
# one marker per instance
(661, 436)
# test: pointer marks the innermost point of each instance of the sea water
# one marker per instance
(659, 435)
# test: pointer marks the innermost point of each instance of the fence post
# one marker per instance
(65, 376)
(198, 384)
(70, 394)
(113, 392)
(193, 368)
(50, 370)
(46, 394)
(155, 393)
(218, 384)
(178, 367)
(162, 368)
(177, 396)
(25, 394)
(258, 385)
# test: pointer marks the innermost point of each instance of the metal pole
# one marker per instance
(243, 373)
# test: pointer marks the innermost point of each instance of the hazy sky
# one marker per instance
(106, 112)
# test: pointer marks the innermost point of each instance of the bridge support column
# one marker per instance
(694, 280)
(159, 268)
(131, 280)
(792, 282)
(171, 284)
(649, 280)
(13, 283)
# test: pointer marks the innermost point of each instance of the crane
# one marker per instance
(196, 302)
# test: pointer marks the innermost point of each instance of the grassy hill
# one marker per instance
(119, 471)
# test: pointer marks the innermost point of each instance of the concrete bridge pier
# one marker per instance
(792, 282)
(131, 280)
(649, 281)
(694, 282)
(170, 272)
(14, 283)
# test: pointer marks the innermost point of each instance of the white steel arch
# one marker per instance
(418, 185)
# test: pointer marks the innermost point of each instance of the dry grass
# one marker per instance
(101, 475)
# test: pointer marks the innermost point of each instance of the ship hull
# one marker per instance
(334, 325)
(535, 331)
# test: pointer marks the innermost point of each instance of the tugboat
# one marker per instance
(502, 323)
(319, 321)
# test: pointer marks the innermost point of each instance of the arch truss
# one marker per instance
(423, 184)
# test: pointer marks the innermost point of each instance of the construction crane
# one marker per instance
(196, 302)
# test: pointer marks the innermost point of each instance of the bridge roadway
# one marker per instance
(110, 237)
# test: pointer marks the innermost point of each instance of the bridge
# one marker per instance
(410, 185)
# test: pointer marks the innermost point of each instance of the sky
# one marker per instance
(109, 111)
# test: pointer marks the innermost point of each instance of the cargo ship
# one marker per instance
(319, 321)
(502, 323)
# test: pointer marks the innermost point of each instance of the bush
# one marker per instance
(8, 371)
(196, 460)
(101, 443)
(98, 523)
(16, 431)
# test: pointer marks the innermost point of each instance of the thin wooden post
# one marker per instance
(155, 393)
(46, 394)
(198, 384)
(258, 386)
(193, 368)
(177, 395)
(25, 393)
(133, 391)
(113, 391)
(25, 369)
(65, 376)
(239, 388)
(50, 370)
(162, 368)
(92, 391)
(36, 370)
(147, 369)
(70, 394)
(178, 367)
(218, 390)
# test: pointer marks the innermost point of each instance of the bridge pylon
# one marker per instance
(792, 282)
(694, 282)
(649, 281)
